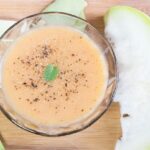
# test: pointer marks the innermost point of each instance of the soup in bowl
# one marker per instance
(58, 74)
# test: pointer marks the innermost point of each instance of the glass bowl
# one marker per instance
(60, 19)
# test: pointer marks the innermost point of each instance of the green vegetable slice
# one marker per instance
(1, 146)
(73, 7)
(68, 6)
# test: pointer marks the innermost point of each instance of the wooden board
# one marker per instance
(100, 136)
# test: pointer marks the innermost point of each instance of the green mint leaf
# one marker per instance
(50, 72)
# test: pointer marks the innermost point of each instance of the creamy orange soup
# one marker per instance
(78, 87)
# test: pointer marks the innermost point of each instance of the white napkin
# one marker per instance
(4, 25)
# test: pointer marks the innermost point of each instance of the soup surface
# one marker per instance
(80, 83)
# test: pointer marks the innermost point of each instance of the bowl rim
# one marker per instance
(112, 92)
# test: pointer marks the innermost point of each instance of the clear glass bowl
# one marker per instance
(59, 18)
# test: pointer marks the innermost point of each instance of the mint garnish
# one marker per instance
(50, 72)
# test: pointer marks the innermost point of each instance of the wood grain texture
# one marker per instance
(100, 136)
